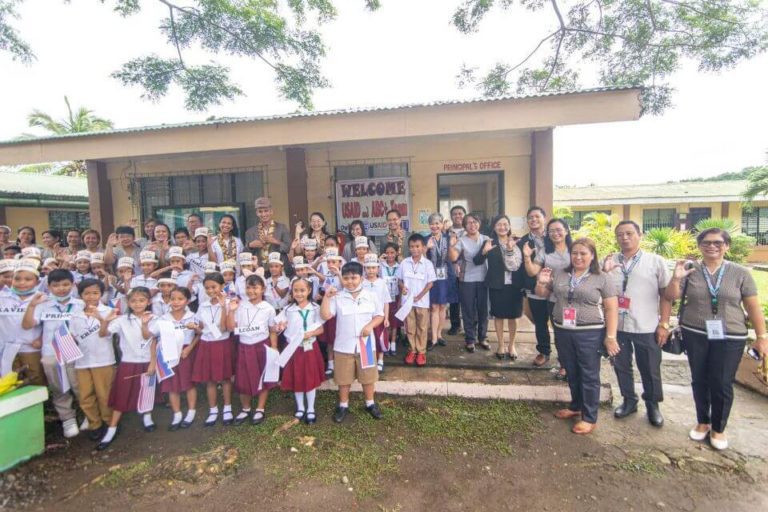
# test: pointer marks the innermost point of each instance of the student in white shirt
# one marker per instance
(161, 303)
(379, 287)
(21, 346)
(148, 265)
(416, 274)
(278, 284)
(358, 312)
(198, 258)
(329, 274)
(247, 264)
(389, 265)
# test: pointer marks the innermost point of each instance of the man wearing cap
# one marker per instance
(268, 235)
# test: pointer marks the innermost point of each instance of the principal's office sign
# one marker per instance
(369, 200)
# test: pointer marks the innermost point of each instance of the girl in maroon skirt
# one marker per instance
(252, 320)
(389, 266)
(303, 373)
(379, 288)
(213, 361)
(183, 320)
(137, 347)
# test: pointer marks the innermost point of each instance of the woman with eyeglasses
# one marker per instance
(716, 295)
(585, 316)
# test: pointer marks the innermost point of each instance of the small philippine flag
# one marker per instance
(164, 370)
(64, 346)
(367, 348)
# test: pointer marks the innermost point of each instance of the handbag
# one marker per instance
(675, 343)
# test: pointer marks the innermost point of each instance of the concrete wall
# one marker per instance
(22, 216)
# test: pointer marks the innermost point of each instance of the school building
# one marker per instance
(43, 202)
(675, 205)
(489, 155)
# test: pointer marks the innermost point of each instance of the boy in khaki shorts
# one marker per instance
(358, 311)
(416, 274)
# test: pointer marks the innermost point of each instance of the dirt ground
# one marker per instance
(425, 454)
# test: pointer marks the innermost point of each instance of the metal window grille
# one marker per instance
(698, 214)
(754, 222)
(353, 170)
(658, 218)
(65, 220)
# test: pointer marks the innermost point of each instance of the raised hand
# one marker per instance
(527, 250)
(680, 271)
(488, 246)
(452, 240)
(609, 263)
(38, 299)
(331, 292)
(234, 303)
(112, 240)
(299, 230)
(447, 224)
(431, 243)
(545, 276)
(146, 317)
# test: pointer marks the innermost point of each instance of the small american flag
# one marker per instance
(164, 370)
(146, 394)
(64, 346)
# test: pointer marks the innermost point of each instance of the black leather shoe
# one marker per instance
(97, 433)
(103, 446)
(258, 418)
(173, 427)
(654, 414)
(340, 414)
(150, 428)
(374, 410)
(470, 347)
(625, 409)
(453, 331)
(431, 346)
(186, 424)
(442, 342)
(310, 418)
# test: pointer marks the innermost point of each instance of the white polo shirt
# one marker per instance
(97, 351)
(181, 325)
(147, 282)
(351, 316)
(379, 288)
(294, 317)
(210, 314)
(12, 309)
(51, 315)
(649, 275)
(197, 263)
(416, 276)
(253, 321)
(159, 306)
(133, 346)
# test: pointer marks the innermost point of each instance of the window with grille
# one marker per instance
(754, 222)
(65, 220)
(355, 171)
(198, 191)
(658, 218)
(698, 214)
(578, 218)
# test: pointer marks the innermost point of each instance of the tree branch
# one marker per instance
(699, 11)
(553, 67)
(558, 13)
(532, 53)
(176, 39)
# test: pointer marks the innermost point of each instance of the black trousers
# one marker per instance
(579, 354)
(455, 313)
(648, 356)
(474, 311)
(713, 369)
(540, 313)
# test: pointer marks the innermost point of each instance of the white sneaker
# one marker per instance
(70, 428)
(85, 425)
(718, 444)
(698, 436)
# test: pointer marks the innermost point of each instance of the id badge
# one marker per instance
(624, 303)
(440, 273)
(569, 317)
(715, 330)
(507, 277)
(214, 330)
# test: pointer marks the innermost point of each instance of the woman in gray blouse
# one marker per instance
(714, 327)
(585, 316)
(473, 294)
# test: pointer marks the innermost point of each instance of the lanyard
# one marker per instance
(714, 289)
(390, 271)
(574, 283)
(627, 271)
(438, 248)
(213, 314)
(304, 317)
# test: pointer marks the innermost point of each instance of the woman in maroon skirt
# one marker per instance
(213, 361)
(304, 373)
(183, 320)
(138, 357)
(252, 320)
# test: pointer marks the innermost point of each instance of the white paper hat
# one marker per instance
(31, 252)
(83, 256)
(245, 258)
(201, 232)
(176, 252)
(28, 265)
(147, 257)
(370, 260)
(298, 262)
(167, 280)
(125, 262)
(97, 257)
(332, 253)
(361, 241)
(8, 265)
(47, 263)
(274, 257)
(309, 244)
(228, 266)
(210, 267)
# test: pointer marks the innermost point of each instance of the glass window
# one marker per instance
(754, 222)
(658, 218)
(186, 189)
(64, 220)
(362, 171)
(698, 214)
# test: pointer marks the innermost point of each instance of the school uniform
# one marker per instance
(329, 327)
(184, 278)
(380, 289)
(389, 274)
(240, 288)
(416, 276)
(214, 360)
(96, 369)
(182, 378)
(18, 349)
(159, 306)
(197, 261)
(314, 281)
(352, 314)
(305, 370)
(145, 281)
(271, 295)
(136, 356)
(253, 323)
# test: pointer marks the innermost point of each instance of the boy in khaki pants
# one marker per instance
(415, 276)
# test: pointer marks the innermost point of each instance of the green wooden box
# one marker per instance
(22, 427)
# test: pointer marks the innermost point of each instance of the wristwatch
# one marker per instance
(665, 325)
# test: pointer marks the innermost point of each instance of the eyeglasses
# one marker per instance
(712, 243)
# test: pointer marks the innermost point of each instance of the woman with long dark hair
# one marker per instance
(356, 228)
(226, 245)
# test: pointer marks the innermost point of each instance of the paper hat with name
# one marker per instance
(361, 241)
(31, 252)
(370, 260)
(245, 258)
(210, 267)
(298, 262)
(28, 265)
(83, 256)
(332, 253)
(147, 257)
(274, 257)
(309, 244)
(50, 261)
(201, 232)
(8, 265)
(125, 262)
(168, 280)
(97, 258)
(176, 252)
(228, 266)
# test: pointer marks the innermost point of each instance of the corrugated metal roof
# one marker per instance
(623, 193)
(41, 185)
(316, 113)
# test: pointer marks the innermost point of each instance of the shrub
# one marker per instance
(741, 244)
(670, 243)
(599, 227)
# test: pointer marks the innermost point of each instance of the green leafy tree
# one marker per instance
(631, 42)
(277, 34)
(562, 212)
(757, 185)
(669, 243)
(741, 244)
(599, 227)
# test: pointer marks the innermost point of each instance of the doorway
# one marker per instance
(480, 193)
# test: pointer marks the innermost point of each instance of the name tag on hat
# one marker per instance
(715, 330)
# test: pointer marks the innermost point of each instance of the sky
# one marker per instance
(406, 52)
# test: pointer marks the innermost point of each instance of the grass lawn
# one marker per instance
(761, 278)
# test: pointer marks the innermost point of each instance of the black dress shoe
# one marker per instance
(150, 428)
(442, 342)
(654, 414)
(173, 427)
(340, 414)
(374, 410)
(431, 346)
(258, 418)
(104, 445)
(470, 347)
(625, 409)
(186, 424)
(97, 433)
(453, 331)
(310, 418)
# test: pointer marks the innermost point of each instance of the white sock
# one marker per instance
(213, 413)
(190, 417)
(148, 419)
(311, 401)
(299, 401)
(110, 435)
(344, 405)
(227, 408)
(369, 403)
(243, 414)
(176, 418)
(393, 346)
(330, 364)
(213, 410)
